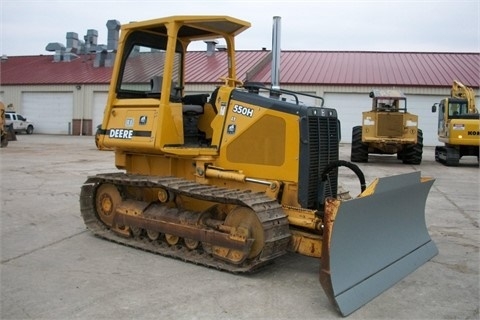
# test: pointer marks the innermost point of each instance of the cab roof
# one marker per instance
(194, 27)
(387, 94)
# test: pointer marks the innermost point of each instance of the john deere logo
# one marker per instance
(120, 134)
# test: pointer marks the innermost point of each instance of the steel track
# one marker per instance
(268, 211)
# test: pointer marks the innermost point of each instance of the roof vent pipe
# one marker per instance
(59, 50)
(211, 44)
(113, 27)
(72, 42)
(72, 47)
(276, 56)
(91, 40)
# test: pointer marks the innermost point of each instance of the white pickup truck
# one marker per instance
(20, 123)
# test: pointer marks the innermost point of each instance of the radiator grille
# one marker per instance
(323, 147)
(390, 125)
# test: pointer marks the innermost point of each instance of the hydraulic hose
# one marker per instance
(341, 163)
(331, 166)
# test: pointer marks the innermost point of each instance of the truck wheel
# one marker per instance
(413, 153)
(29, 129)
(359, 149)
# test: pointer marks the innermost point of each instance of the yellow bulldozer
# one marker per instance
(235, 178)
(388, 128)
(458, 126)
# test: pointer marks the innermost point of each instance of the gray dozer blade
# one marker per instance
(373, 241)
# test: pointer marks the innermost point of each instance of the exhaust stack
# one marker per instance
(276, 33)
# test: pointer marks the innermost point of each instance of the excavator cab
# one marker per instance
(234, 178)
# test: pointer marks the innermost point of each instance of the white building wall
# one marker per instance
(89, 101)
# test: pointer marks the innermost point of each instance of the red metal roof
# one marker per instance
(297, 67)
(376, 68)
(42, 70)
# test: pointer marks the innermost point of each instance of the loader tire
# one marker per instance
(359, 151)
(413, 153)
(4, 141)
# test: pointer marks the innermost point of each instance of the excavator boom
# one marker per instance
(459, 90)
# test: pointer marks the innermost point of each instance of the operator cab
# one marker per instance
(454, 108)
(388, 101)
(147, 108)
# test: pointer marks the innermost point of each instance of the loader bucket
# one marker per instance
(375, 240)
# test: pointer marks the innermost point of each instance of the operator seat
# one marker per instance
(192, 108)
(213, 98)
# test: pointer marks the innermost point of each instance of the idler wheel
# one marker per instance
(106, 201)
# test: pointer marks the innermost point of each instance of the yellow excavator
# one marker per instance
(458, 125)
(238, 177)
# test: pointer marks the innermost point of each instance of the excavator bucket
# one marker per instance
(375, 240)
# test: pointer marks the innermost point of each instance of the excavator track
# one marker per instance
(269, 212)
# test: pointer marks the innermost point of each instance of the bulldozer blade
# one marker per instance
(375, 240)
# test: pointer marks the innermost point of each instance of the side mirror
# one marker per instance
(434, 108)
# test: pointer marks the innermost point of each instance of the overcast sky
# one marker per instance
(395, 25)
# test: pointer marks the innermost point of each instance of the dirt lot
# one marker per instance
(53, 268)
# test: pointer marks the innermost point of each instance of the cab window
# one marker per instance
(143, 66)
(457, 109)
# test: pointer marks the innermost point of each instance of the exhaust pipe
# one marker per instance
(274, 93)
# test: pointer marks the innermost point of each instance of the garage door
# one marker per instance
(427, 121)
(349, 107)
(99, 102)
(50, 112)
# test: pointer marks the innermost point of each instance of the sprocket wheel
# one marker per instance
(244, 224)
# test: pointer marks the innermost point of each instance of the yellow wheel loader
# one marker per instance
(3, 131)
(388, 129)
(458, 126)
(235, 178)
